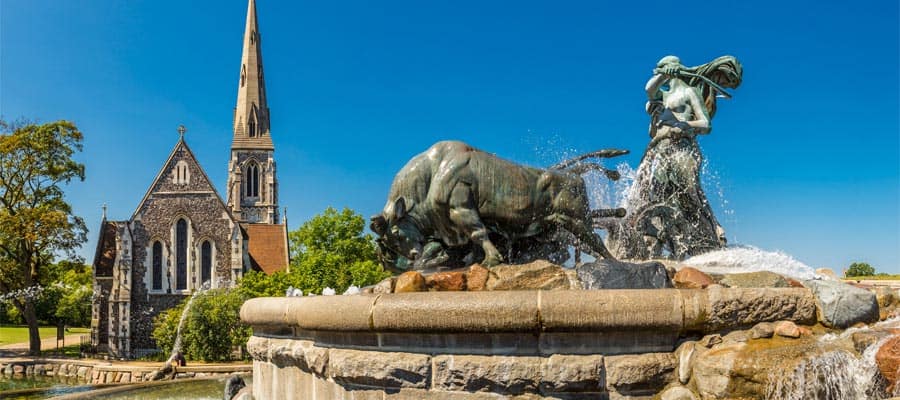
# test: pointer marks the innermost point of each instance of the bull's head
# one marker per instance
(398, 231)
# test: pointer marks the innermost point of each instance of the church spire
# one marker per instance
(251, 114)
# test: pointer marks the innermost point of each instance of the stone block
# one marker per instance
(612, 310)
(82, 372)
(571, 373)
(497, 374)
(258, 347)
(379, 369)
(325, 313)
(457, 311)
(639, 374)
(745, 307)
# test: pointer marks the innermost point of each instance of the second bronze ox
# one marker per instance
(454, 205)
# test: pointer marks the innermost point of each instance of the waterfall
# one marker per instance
(832, 375)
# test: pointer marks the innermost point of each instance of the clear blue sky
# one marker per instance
(806, 153)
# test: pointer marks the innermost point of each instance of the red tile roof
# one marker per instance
(268, 246)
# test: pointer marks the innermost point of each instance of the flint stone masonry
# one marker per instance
(465, 345)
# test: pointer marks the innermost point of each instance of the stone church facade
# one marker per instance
(183, 237)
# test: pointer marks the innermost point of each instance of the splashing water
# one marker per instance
(176, 348)
(735, 259)
(833, 375)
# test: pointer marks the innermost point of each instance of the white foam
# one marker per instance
(740, 258)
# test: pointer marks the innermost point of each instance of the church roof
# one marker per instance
(105, 255)
(268, 246)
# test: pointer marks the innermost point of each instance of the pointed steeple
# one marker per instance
(251, 114)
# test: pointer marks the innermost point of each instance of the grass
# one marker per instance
(895, 277)
(70, 351)
(19, 333)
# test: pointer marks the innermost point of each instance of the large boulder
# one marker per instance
(759, 279)
(611, 274)
(888, 361)
(839, 305)
(691, 278)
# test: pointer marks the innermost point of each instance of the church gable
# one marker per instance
(181, 174)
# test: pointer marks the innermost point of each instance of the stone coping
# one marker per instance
(671, 310)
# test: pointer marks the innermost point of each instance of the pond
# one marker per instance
(201, 389)
(55, 386)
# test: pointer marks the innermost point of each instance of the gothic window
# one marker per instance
(157, 266)
(252, 181)
(252, 124)
(205, 262)
(181, 255)
(243, 75)
(182, 175)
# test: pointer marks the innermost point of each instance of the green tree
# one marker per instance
(36, 222)
(259, 284)
(212, 327)
(330, 250)
(860, 269)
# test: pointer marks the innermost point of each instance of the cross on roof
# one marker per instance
(181, 130)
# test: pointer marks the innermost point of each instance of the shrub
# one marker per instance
(212, 328)
(860, 269)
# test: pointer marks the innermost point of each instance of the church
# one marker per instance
(182, 236)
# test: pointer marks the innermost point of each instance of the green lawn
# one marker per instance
(19, 333)
(874, 278)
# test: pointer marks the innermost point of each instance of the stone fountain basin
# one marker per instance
(460, 344)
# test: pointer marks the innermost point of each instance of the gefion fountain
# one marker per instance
(484, 309)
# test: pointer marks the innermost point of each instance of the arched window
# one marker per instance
(157, 266)
(252, 181)
(252, 127)
(205, 262)
(181, 255)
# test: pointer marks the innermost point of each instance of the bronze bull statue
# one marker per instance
(454, 201)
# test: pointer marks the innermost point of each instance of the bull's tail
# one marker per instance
(605, 153)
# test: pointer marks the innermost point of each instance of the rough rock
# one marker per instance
(385, 286)
(735, 308)
(884, 296)
(794, 283)
(677, 393)
(787, 329)
(611, 274)
(410, 281)
(537, 275)
(386, 370)
(888, 361)
(840, 305)
(762, 330)
(863, 339)
(572, 373)
(691, 278)
(512, 375)
(712, 370)
(736, 336)
(454, 281)
(476, 277)
(709, 341)
(684, 357)
(639, 374)
(760, 279)
(826, 272)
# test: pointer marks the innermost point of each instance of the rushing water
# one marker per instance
(735, 259)
(831, 375)
(54, 386)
